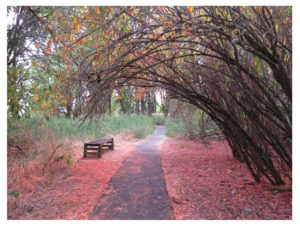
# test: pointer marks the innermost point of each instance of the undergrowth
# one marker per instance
(37, 148)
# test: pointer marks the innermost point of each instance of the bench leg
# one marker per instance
(99, 150)
(85, 151)
(112, 144)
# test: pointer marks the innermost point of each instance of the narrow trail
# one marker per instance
(138, 190)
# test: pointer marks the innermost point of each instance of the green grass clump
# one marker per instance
(159, 120)
(140, 125)
(175, 127)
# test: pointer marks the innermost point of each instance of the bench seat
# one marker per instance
(98, 145)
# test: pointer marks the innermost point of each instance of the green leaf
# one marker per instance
(69, 160)
(14, 205)
(257, 61)
(217, 64)
(14, 193)
(228, 82)
(33, 63)
(277, 27)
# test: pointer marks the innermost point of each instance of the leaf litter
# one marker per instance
(73, 192)
(206, 182)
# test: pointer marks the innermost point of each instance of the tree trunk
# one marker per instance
(123, 109)
(143, 104)
(109, 103)
(154, 103)
(149, 103)
(137, 106)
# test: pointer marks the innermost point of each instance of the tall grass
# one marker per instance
(175, 128)
(140, 125)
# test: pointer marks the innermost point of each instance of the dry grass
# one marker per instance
(32, 160)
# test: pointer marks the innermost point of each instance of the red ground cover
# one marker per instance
(74, 192)
(206, 182)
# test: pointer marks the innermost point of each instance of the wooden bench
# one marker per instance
(98, 145)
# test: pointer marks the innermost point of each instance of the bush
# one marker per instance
(159, 120)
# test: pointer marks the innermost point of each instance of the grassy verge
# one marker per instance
(139, 125)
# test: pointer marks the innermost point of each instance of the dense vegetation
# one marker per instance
(232, 64)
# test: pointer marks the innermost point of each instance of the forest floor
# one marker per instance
(206, 182)
(203, 182)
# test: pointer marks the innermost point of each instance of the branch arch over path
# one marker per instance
(234, 63)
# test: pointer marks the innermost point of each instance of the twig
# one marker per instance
(50, 157)
(18, 147)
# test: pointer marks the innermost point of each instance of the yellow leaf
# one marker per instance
(133, 11)
(235, 31)
(36, 97)
(286, 57)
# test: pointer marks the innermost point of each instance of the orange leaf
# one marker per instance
(97, 10)
(191, 9)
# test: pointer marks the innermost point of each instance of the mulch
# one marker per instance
(206, 182)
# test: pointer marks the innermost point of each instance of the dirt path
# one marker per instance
(137, 191)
